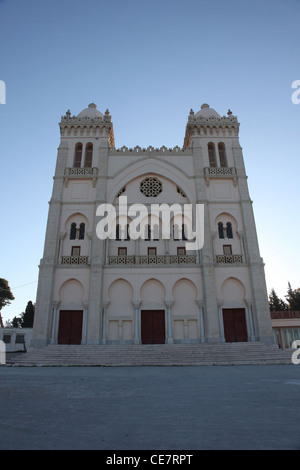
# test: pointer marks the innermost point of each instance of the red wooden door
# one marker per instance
(153, 326)
(70, 327)
(235, 327)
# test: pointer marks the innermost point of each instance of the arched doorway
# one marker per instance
(70, 316)
(234, 314)
(153, 330)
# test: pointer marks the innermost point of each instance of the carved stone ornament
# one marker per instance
(151, 187)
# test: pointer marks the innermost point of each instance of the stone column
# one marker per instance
(104, 321)
(221, 323)
(250, 319)
(136, 305)
(84, 322)
(201, 321)
(53, 338)
(169, 304)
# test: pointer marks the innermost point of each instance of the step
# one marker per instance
(142, 355)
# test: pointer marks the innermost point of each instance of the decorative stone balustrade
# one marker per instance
(71, 260)
(229, 259)
(150, 260)
(81, 173)
(220, 172)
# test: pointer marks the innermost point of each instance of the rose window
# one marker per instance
(151, 187)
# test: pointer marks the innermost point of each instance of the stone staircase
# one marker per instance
(152, 355)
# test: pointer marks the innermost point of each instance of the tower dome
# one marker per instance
(207, 112)
(90, 112)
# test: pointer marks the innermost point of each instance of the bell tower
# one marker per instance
(221, 185)
(71, 242)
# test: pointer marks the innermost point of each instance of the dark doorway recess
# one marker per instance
(235, 327)
(153, 326)
(70, 327)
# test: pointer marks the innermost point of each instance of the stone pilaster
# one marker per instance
(98, 255)
(169, 305)
(260, 302)
(136, 304)
(206, 253)
(43, 312)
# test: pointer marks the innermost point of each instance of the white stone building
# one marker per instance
(152, 290)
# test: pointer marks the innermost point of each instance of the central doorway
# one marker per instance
(153, 327)
(235, 327)
(70, 327)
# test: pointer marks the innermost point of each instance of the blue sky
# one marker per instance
(149, 63)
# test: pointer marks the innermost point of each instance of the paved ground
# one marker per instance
(155, 408)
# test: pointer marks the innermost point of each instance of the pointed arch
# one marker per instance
(212, 154)
(78, 155)
(88, 157)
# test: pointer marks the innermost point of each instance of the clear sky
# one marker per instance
(149, 63)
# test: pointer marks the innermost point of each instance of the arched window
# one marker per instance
(88, 155)
(155, 232)
(147, 233)
(229, 230)
(221, 230)
(184, 231)
(81, 231)
(73, 231)
(118, 233)
(78, 155)
(222, 154)
(176, 232)
(127, 233)
(212, 155)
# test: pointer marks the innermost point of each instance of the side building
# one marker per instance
(150, 290)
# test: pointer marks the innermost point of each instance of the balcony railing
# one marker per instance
(81, 173)
(229, 259)
(71, 260)
(220, 172)
(152, 260)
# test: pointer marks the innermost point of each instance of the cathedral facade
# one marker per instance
(124, 290)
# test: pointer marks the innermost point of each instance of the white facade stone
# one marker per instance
(195, 296)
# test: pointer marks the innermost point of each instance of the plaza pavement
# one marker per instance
(150, 408)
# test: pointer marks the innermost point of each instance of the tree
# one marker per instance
(27, 316)
(293, 298)
(5, 296)
(5, 293)
(16, 322)
(275, 303)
